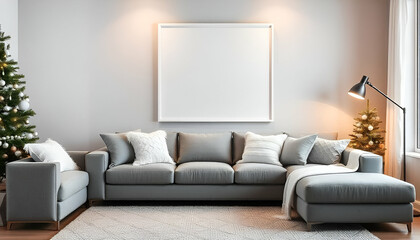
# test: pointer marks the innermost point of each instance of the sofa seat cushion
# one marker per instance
(155, 173)
(71, 183)
(354, 188)
(204, 173)
(259, 173)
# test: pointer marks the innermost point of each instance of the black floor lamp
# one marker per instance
(359, 91)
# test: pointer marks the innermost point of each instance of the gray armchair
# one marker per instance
(38, 192)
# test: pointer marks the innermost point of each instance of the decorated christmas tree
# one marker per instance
(367, 135)
(15, 130)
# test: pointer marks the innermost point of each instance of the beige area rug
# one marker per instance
(200, 222)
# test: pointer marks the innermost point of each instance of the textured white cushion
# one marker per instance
(51, 151)
(149, 147)
(327, 151)
(262, 149)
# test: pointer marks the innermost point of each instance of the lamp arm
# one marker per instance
(383, 94)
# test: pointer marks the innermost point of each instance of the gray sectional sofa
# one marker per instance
(206, 170)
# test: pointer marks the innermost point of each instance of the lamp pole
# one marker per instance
(404, 110)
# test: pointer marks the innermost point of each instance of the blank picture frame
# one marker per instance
(215, 72)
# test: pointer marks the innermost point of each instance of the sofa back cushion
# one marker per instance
(172, 141)
(214, 147)
(238, 146)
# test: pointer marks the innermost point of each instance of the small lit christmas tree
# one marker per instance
(367, 135)
(15, 130)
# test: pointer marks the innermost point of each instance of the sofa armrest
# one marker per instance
(368, 162)
(32, 189)
(79, 158)
(96, 165)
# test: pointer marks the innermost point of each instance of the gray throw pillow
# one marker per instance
(296, 150)
(216, 147)
(120, 150)
(327, 151)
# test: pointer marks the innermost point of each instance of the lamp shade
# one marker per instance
(359, 90)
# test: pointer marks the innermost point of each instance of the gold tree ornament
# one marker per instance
(367, 134)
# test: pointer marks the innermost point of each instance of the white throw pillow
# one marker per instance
(149, 147)
(262, 149)
(51, 151)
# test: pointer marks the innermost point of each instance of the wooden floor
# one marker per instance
(42, 231)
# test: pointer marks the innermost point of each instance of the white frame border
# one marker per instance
(195, 25)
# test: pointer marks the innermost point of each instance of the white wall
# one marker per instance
(9, 24)
(91, 66)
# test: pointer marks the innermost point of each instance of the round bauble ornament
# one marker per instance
(15, 86)
(358, 124)
(4, 156)
(370, 143)
(370, 127)
(18, 153)
(29, 136)
(3, 138)
(21, 94)
(1, 143)
(378, 118)
(14, 110)
(7, 137)
(13, 148)
(7, 108)
(24, 105)
(2, 83)
(12, 74)
(382, 145)
(36, 134)
(1, 98)
(364, 116)
(27, 121)
(5, 145)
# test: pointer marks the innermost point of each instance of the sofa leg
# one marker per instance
(409, 227)
(90, 203)
(9, 225)
(309, 227)
(57, 225)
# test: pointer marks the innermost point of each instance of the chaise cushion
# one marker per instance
(204, 173)
(71, 183)
(156, 173)
(354, 188)
(259, 173)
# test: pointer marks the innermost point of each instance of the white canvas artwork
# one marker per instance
(218, 72)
